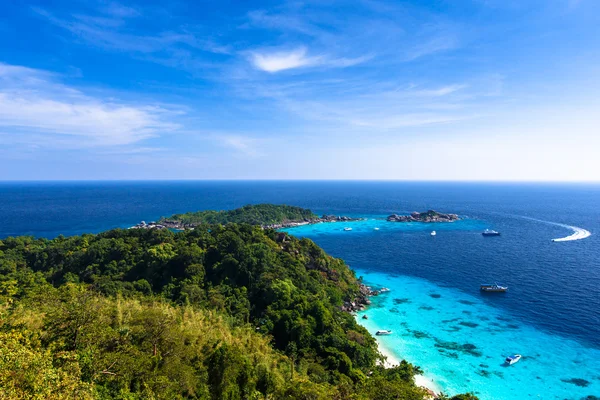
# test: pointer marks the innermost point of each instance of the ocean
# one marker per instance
(439, 318)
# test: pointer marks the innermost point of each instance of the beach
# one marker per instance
(392, 360)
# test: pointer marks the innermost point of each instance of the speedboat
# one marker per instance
(347, 229)
(493, 288)
(383, 332)
(384, 289)
(489, 232)
(510, 360)
(433, 233)
(376, 229)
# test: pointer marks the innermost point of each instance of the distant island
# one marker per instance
(427, 216)
(273, 216)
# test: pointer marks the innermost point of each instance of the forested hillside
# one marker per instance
(258, 214)
(220, 312)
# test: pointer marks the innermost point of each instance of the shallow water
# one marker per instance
(461, 343)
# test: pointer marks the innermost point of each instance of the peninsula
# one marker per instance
(268, 216)
(233, 311)
(427, 217)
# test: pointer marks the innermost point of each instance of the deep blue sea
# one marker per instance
(440, 320)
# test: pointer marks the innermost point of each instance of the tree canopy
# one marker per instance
(258, 214)
(218, 312)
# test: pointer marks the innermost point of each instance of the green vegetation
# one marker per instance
(219, 312)
(259, 214)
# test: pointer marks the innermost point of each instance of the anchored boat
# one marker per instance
(489, 232)
(383, 332)
(493, 288)
(510, 360)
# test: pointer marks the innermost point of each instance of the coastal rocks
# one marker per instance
(427, 216)
(149, 225)
(361, 300)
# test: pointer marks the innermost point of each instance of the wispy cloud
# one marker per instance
(36, 107)
(242, 144)
(108, 28)
(298, 58)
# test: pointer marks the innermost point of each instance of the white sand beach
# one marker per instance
(420, 380)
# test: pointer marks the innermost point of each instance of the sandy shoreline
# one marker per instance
(420, 380)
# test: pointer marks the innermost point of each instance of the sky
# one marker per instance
(493, 90)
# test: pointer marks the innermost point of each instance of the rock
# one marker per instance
(427, 216)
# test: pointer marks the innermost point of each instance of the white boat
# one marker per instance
(376, 229)
(347, 229)
(383, 332)
(493, 288)
(433, 233)
(510, 360)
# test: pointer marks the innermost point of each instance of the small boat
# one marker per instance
(375, 229)
(365, 317)
(384, 289)
(510, 360)
(493, 288)
(433, 233)
(347, 229)
(383, 332)
(489, 232)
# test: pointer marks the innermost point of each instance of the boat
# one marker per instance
(383, 332)
(376, 229)
(347, 229)
(433, 233)
(384, 289)
(365, 317)
(489, 232)
(493, 288)
(510, 360)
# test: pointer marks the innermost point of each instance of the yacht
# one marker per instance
(433, 233)
(489, 232)
(347, 229)
(383, 332)
(510, 360)
(493, 288)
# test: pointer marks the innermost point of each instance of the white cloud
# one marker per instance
(33, 105)
(282, 60)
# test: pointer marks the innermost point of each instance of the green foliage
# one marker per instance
(259, 214)
(218, 312)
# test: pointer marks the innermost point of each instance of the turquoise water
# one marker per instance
(461, 343)
(458, 339)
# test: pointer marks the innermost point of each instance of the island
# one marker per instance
(427, 217)
(268, 216)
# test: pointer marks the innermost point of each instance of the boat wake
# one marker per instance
(578, 233)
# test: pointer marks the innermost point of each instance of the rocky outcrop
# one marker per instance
(427, 216)
(149, 225)
(362, 299)
(174, 224)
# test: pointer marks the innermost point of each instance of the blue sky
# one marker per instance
(367, 89)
